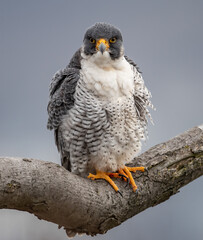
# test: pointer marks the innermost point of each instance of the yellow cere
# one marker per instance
(102, 40)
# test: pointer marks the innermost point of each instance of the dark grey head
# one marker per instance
(103, 37)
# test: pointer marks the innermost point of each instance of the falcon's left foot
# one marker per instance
(128, 171)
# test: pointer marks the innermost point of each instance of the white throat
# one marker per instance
(107, 78)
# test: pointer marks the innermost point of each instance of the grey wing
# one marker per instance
(132, 63)
(141, 95)
(62, 91)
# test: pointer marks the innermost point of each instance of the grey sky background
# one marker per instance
(165, 39)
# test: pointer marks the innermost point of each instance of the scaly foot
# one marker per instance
(128, 171)
(105, 175)
(124, 173)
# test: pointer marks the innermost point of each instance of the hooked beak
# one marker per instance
(102, 45)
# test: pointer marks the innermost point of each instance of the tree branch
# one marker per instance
(80, 205)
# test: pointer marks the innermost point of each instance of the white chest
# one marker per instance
(107, 78)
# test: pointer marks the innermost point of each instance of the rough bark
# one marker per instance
(80, 205)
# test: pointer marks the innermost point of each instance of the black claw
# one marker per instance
(120, 193)
(146, 170)
(122, 175)
(128, 182)
(137, 191)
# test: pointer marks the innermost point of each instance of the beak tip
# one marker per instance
(102, 47)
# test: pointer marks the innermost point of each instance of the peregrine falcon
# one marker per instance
(98, 108)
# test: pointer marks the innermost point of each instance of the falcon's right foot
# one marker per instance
(105, 176)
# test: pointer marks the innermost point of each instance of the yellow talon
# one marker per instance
(128, 171)
(124, 173)
(134, 169)
(105, 176)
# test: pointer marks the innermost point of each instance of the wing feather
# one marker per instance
(62, 89)
(141, 96)
(61, 93)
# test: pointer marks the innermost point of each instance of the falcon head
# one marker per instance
(103, 38)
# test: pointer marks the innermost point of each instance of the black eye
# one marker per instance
(112, 40)
(92, 40)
